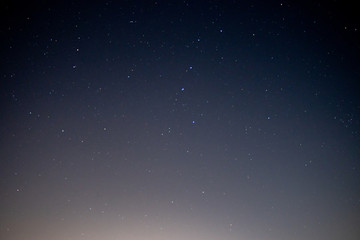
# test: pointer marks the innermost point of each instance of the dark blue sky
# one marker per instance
(179, 120)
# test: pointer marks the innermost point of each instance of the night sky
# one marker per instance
(179, 120)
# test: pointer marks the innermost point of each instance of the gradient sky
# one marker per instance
(173, 120)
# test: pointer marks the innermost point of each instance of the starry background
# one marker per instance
(179, 120)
